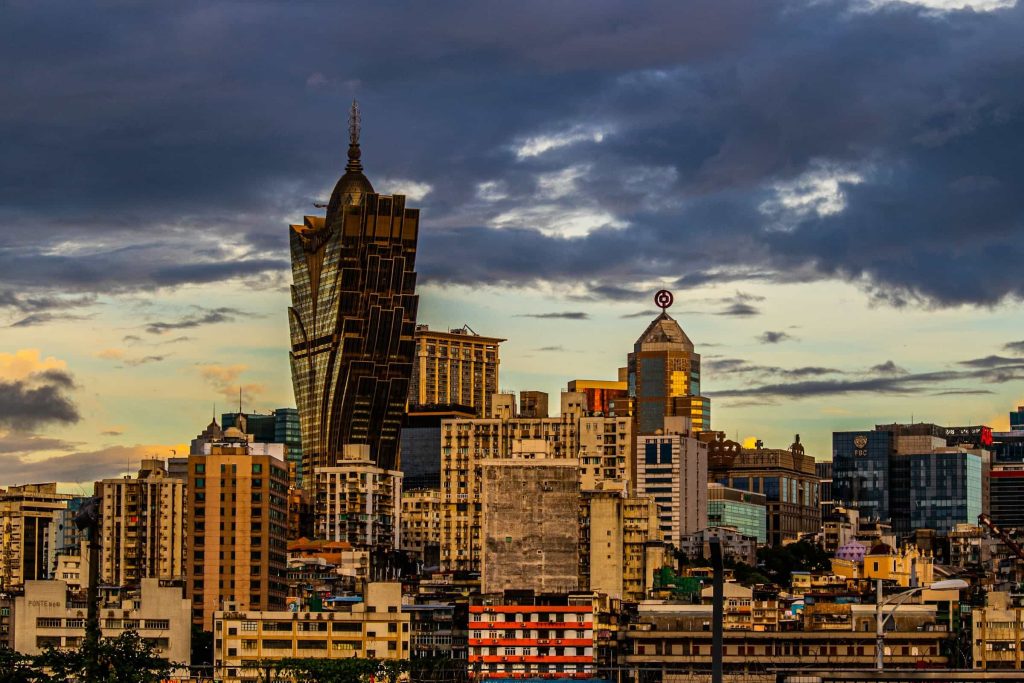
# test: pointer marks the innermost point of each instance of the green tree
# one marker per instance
(348, 670)
(18, 668)
(124, 659)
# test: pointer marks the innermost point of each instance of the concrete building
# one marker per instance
(533, 404)
(237, 528)
(533, 639)
(606, 445)
(664, 378)
(27, 516)
(278, 426)
(374, 626)
(785, 477)
(421, 524)
(743, 510)
(736, 546)
(998, 633)
(465, 444)
(672, 468)
(142, 526)
(621, 546)
(529, 516)
(455, 367)
(48, 615)
(359, 502)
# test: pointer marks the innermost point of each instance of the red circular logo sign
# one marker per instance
(663, 299)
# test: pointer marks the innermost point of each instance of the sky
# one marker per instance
(831, 189)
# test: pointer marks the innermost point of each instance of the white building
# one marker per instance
(672, 468)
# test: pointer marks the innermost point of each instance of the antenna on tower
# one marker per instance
(354, 123)
(239, 399)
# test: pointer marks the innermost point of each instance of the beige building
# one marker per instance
(998, 633)
(606, 445)
(359, 502)
(458, 366)
(529, 515)
(421, 522)
(533, 404)
(376, 627)
(26, 515)
(466, 443)
(48, 615)
(142, 532)
(620, 544)
(237, 528)
(672, 468)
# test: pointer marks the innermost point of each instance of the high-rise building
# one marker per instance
(605, 447)
(359, 502)
(353, 319)
(538, 550)
(672, 468)
(421, 524)
(909, 476)
(1017, 419)
(664, 378)
(278, 426)
(26, 516)
(621, 546)
(237, 528)
(421, 443)
(455, 367)
(744, 511)
(1006, 491)
(824, 472)
(785, 477)
(142, 532)
(465, 443)
(600, 393)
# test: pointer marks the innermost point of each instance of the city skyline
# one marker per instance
(839, 258)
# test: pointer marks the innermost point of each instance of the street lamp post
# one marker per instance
(896, 601)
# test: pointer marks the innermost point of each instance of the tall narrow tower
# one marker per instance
(353, 318)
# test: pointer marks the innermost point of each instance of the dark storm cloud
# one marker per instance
(165, 144)
(562, 315)
(885, 378)
(203, 317)
(770, 337)
(36, 319)
(36, 401)
(1015, 347)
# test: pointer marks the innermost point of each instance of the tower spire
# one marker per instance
(354, 127)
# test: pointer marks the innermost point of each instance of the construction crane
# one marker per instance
(987, 522)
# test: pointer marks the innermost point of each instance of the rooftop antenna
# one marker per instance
(354, 128)
(239, 399)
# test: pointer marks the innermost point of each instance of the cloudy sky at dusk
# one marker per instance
(832, 189)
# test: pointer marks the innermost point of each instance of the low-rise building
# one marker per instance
(48, 615)
(533, 638)
(735, 545)
(998, 633)
(373, 626)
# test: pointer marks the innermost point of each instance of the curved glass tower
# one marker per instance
(353, 318)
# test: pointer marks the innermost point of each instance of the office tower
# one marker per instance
(744, 511)
(601, 394)
(785, 477)
(621, 547)
(1006, 492)
(672, 468)
(465, 443)
(278, 426)
(605, 447)
(237, 517)
(359, 502)
(529, 516)
(353, 319)
(664, 378)
(533, 404)
(824, 472)
(142, 527)
(421, 524)
(457, 367)
(1017, 419)
(421, 443)
(909, 476)
(26, 516)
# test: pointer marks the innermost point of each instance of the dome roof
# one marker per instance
(854, 550)
(352, 186)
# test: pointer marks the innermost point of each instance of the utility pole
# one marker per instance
(88, 519)
(717, 608)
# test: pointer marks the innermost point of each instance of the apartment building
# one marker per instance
(373, 626)
(27, 514)
(359, 502)
(458, 366)
(142, 528)
(421, 524)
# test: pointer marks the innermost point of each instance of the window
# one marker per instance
(43, 622)
(159, 624)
